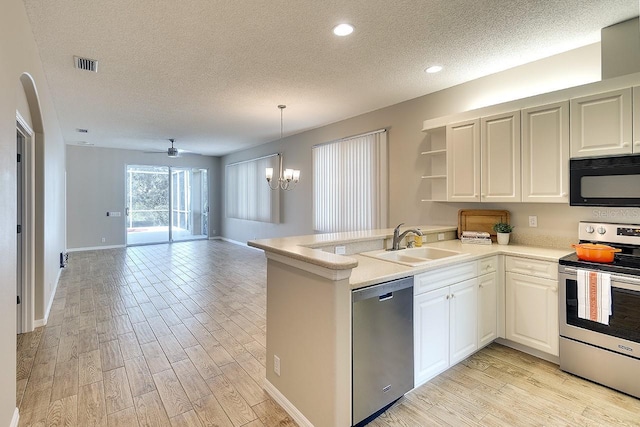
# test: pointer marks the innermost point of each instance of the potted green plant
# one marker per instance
(503, 230)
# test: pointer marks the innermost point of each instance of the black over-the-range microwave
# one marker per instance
(605, 181)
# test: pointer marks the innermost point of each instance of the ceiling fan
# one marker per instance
(172, 151)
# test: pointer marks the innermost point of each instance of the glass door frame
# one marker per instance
(204, 195)
(189, 203)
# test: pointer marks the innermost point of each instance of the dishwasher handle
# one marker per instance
(382, 291)
(385, 297)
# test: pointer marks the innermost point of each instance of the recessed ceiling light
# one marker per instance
(434, 69)
(343, 30)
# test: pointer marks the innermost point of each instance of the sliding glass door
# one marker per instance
(189, 204)
(147, 211)
(166, 204)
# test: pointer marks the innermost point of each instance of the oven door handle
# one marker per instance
(618, 279)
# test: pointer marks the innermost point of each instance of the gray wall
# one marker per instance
(96, 185)
(19, 55)
(404, 122)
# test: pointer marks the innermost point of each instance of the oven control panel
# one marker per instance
(629, 231)
(609, 232)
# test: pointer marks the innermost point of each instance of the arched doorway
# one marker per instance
(30, 207)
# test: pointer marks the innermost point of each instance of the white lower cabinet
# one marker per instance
(463, 317)
(445, 328)
(445, 320)
(487, 309)
(460, 309)
(431, 334)
(532, 312)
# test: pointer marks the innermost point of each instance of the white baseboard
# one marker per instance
(96, 248)
(286, 404)
(42, 322)
(235, 242)
(532, 351)
(15, 419)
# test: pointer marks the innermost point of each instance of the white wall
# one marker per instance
(18, 55)
(404, 122)
(96, 185)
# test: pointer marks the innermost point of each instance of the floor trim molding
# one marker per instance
(96, 248)
(15, 419)
(286, 404)
(235, 242)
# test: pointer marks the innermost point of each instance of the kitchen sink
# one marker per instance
(414, 257)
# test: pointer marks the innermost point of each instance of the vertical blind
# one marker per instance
(248, 195)
(350, 183)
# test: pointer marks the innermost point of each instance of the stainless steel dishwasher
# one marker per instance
(382, 337)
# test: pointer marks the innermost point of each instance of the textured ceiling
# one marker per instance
(210, 73)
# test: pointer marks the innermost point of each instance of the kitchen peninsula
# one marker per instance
(309, 309)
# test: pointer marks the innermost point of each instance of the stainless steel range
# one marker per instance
(607, 354)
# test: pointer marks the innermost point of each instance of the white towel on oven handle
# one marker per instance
(603, 297)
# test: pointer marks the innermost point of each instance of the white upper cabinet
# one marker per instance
(545, 153)
(601, 124)
(500, 150)
(463, 161)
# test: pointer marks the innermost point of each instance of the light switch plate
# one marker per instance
(276, 365)
(533, 221)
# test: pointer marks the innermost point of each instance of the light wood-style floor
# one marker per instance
(174, 335)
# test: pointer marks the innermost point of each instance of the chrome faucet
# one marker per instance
(397, 237)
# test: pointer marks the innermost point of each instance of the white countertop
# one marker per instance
(366, 271)
(371, 271)
(301, 248)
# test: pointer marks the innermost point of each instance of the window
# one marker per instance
(248, 195)
(350, 183)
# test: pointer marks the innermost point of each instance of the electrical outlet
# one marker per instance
(104, 240)
(533, 221)
(440, 236)
(341, 250)
(276, 365)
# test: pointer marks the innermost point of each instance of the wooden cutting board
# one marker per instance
(480, 220)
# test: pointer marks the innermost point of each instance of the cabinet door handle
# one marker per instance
(554, 289)
(625, 144)
(448, 296)
(481, 285)
(453, 295)
(637, 143)
(564, 194)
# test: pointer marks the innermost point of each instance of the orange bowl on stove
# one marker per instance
(595, 252)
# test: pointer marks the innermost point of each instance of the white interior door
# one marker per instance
(20, 219)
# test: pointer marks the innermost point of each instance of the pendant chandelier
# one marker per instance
(288, 178)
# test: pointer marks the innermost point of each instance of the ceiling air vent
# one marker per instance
(86, 64)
